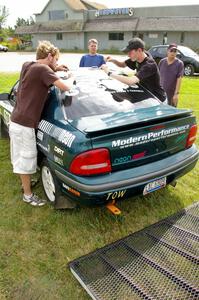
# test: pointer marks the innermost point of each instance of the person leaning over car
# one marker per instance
(147, 73)
(92, 59)
(171, 73)
(35, 79)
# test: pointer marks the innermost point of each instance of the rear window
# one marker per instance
(95, 94)
(162, 50)
(187, 51)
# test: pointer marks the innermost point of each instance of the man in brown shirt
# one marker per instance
(35, 79)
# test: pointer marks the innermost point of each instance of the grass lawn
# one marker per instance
(37, 243)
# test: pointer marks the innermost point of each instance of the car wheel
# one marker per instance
(49, 182)
(188, 70)
(52, 188)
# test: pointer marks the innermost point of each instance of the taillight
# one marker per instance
(192, 136)
(91, 162)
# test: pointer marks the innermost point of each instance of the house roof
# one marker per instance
(90, 4)
(168, 24)
(75, 4)
(111, 25)
(122, 24)
(79, 5)
(67, 26)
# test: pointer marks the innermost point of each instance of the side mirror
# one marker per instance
(4, 96)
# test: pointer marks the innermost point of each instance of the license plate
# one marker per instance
(154, 185)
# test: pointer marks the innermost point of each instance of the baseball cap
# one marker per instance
(173, 46)
(134, 43)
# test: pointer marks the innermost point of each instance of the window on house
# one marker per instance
(56, 15)
(116, 36)
(153, 35)
(59, 36)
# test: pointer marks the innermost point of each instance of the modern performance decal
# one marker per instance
(149, 137)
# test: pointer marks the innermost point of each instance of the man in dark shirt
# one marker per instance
(147, 73)
(35, 79)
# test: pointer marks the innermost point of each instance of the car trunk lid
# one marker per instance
(138, 137)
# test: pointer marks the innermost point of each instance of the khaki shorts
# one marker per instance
(23, 149)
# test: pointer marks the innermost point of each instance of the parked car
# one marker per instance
(187, 55)
(106, 141)
(3, 48)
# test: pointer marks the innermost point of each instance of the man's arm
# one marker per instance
(178, 84)
(62, 68)
(118, 63)
(124, 79)
(177, 91)
(81, 64)
(103, 61)
(65, 85)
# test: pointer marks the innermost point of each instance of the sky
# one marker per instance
(26, 8)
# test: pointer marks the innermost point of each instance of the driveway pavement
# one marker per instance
(12, 61)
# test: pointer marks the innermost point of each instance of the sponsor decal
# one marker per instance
(46, 149)
(66, 138)
(63, 136)
(58, 160)
(59, 151)
(180, 138)
(149, 137)
(71, 190)
(116, 195)
(139, 155)
(45, 126)
(115, 11)
(40, 135)
(123, 159)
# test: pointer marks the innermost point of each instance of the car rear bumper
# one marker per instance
(125, 183)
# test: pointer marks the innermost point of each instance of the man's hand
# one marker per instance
(70, 74)
(175, 100)
(104, 68)
(62, 68)
(108, 58)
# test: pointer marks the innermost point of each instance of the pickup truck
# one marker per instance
(104, 141)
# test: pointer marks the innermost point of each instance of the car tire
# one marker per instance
(188, 70)
(52, 188)
(49, 182)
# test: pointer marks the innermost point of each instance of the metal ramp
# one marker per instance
(160, 262)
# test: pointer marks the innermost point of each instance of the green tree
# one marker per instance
(24, 22)
(4, 13)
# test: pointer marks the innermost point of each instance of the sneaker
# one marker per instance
(34, 200)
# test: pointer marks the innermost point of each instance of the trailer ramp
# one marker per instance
(160, 262)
